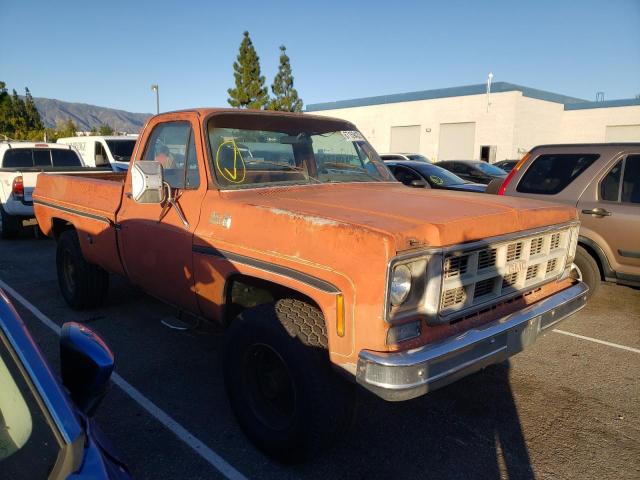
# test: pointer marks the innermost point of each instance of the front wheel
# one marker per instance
(586, 270)
(82, 284)
(279, 380)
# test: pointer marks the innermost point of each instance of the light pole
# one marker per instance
(155, 88)
(489, 80)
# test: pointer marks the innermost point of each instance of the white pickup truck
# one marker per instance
(20, 164)
(99, 151)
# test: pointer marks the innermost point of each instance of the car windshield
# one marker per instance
(490, 169)
(121, 149)
(418, 158)
(250, 158)
(438, 175)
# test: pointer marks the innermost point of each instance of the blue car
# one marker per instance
(428, 175)
(47, 429)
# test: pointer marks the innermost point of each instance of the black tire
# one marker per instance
(10, 225)
(286, 397)
(82, 284)
(587, 269)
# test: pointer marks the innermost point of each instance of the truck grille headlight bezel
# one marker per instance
(425, 268)
(400, 285)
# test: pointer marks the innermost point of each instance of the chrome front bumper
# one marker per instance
(397, 376)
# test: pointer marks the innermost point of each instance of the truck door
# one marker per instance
(610, 214)
(155, 243)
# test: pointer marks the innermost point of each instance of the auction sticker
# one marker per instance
(435, 179)
(352, 136)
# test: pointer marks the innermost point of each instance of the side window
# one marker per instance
(610, 185)
(101, 155)
(42, 158)
(550, 174)
(18, 158)
(28, 446)
(193, 177)
(631, 180)
(168, 146)
(465, 169)
(405, 175)
(65, 158)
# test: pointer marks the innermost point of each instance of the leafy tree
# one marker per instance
(249, 91)
(94, 130)
(105, 130)
(285, 96)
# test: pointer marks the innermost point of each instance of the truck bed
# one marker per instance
(90, 202)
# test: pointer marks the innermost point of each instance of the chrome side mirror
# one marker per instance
(147, 182)
(86, 364)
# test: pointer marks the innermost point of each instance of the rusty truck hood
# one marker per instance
(413, 217)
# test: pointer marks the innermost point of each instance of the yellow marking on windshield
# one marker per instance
(231, 175)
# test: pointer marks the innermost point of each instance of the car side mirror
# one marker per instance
(86, 364)
(419, 184)
(147, 182)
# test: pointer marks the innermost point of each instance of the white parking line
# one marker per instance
(595, 340)
(182, 433)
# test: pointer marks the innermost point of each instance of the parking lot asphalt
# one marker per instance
(566, 408)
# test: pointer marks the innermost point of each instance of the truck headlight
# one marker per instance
(400, 285)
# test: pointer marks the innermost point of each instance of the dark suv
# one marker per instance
(602, 181)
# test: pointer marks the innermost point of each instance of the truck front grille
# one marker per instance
(480, 277)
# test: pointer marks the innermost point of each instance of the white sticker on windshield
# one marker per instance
(352, 136)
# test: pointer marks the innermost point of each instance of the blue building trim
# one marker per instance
(625, 102)
(570, 103)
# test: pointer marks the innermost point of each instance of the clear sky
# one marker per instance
(108, 53)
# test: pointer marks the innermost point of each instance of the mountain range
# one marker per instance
(86, 116)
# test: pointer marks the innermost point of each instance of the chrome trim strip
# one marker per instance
(269, 267)
(460, 355)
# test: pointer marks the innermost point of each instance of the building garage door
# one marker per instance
(622, 133)
(405, 139)
(457, 141)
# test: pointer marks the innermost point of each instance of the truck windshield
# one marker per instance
(121, 149)
(252, 158)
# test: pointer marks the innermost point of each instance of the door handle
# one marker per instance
(598, 212)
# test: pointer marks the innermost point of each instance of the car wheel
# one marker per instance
(286, 398)
(82, 284)
(586, 270)
(10, 224)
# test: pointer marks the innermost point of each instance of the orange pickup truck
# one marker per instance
(289, 230)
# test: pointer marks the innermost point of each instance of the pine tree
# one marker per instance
(250, 91)
(33, 116)
(285, 96)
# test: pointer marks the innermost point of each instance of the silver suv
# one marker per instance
(602, 181)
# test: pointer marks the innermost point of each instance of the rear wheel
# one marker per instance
(279, 380)
(586, 270)
(82, 284)
(10, 224)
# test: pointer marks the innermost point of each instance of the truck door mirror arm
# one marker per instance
(171, 200)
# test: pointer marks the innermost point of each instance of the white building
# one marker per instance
(467, 123)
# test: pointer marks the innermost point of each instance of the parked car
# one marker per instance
(407, 157)
(603, 182)
(20, 164)
(101, 151)
(473, 170)
(421, 174)
(47, 430)
(506, 165)
(316, 260)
